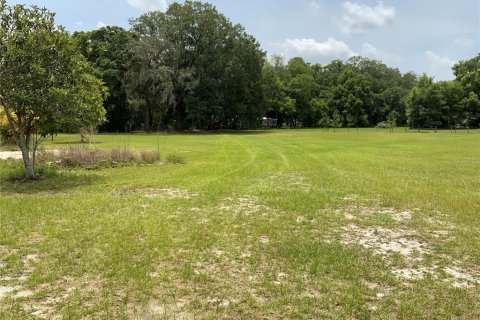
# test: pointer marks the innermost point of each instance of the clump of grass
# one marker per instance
(175, 159)
(121, 155)
(91, 158)
(149, 156)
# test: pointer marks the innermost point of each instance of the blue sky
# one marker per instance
(422, 36)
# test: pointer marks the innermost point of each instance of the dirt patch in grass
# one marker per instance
(397, 237)
(385, 241)
(245, 205)
(460, 278)
(352, 212)
(157, 310)
(41, 302)
(166, 193)
(408, 244)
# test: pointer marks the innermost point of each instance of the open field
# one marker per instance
(287, 224)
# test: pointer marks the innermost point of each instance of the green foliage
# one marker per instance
(45, 83)
(364, 92)
(107, 50)
(468, 75)
(192, 68)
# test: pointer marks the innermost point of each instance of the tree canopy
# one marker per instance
(45, 83)
(192, 68)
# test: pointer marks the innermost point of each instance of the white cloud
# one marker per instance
(310, 47)
(148, 5)
(465, 42)
(315, 4)
(359, 18)
(79, 23)
(100, 24)
(373, 52)
(436, 62)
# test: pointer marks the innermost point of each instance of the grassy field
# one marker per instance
(287, 224)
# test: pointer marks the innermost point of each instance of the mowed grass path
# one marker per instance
(287, 224)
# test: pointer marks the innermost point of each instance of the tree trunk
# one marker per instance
(22, 142)
(26, 157)
(147, 118)
(181, 115)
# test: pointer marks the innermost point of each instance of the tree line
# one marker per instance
(191, 68)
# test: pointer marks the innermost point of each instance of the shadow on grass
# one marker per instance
(51, 180)
(75, 143)
(193, 132)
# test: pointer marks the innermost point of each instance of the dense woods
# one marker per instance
(191, 68)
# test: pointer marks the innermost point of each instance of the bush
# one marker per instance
(175, 159)
(384, 125)
(121, 155)
(149, 156)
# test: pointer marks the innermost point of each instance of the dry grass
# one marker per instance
(91, 157)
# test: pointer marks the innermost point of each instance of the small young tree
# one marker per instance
(392, 120)
(44, 83)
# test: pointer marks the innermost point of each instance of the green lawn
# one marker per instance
(287, 224)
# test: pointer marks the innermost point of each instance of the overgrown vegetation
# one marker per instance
(91, 158)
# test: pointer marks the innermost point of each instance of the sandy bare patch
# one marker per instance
(165, 193)
(13, 286)
(414, 273)
(406, 242)
(350, 197)
(218, 302)
(385, 241)
(352, 212)
(264, 239)
(460, 278)
(157, 310)
(243, 205)
(16, 155)
(6, 290)
(380, 291)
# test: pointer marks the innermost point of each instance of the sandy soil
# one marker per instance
(10, 154)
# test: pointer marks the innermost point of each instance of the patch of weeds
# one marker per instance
(175, 159)
(91, 158)
(149, 156)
